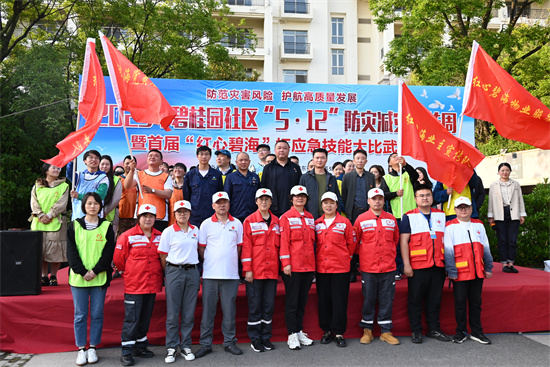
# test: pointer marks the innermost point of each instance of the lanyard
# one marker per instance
(429, 221)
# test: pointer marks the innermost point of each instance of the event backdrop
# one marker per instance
(240, 115)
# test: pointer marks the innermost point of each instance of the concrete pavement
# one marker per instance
(518, 350)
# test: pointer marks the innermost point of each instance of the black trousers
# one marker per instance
(138, 309)
(425, 289)
(332, 294)
(261, 304)
(378, 287)
(467, 296)
(297, 286)
(507, 236)
(354, 262)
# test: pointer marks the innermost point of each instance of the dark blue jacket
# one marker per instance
(242, 193)
(478, 195)
(310, 182)
(198, 190)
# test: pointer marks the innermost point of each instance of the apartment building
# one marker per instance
(326, 41)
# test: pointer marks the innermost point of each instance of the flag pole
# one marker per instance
(121, 119)
(74, 160)
(400, 136)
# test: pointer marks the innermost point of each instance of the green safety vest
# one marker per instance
(111, 216)
(90, 244)
(47, 197)
(408, 194)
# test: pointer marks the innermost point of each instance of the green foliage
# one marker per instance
(494, 145)
(533, 240)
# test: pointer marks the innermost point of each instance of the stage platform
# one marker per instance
(44, 323)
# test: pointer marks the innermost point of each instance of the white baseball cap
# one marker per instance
(329, 195)
(182, 204)
(219, 195)
(264, 192)
(463, 200)
(375, 192)
(147, 208)
(297, 190)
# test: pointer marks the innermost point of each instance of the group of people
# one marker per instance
(258, 222)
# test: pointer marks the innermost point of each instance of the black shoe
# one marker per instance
(327, 337)
(480, 338)
(143, 353)
(53, 281)
(506, 269)
(438, 335)
(127, 360)
(512, 269)
(416, 337)
(353, 278)
(45, 281)
(341, 342)
(268, 345)
(233, 349)
(202, 352)
(257, 346)
(459, 337)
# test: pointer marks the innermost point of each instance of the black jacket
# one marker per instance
(280, 179)
(310, 182)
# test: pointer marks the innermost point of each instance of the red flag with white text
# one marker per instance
(450, 160)
(91, 105)
(494, 95)
(134, 91)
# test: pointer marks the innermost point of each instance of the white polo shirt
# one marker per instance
(221, 257)
(180, 246)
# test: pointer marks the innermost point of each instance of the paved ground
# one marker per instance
(518, 350)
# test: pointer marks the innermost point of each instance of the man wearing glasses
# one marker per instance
(422, 248)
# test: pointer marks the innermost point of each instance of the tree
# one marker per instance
(437, 37)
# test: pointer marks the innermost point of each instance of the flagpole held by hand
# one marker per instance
(121, 119)
(400, 136)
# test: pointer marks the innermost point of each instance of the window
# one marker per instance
(297, 7)
(295, 76)
(337, 31)
(296, 42)
(238, 41)
(337, 62)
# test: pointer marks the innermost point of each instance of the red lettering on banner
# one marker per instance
(341, 97)
(203, 140)
(330, 145)
(370, 121)
(319, 96)
(257, 95)
(268, 95)
(211, 94)
(313, 144)
(285, 95)
(298, 145)
(138, 142)
(245, 95)
(449, 121)
(308, 97)
(251, 144)
(352, 97)
(223, 94)
(375, 146)
(297, 96)
(171, 143)
(219, 144)
(236, 144)
(330, 97)
(214, 118)
(345, 146)
(155, 142)
(233, 94)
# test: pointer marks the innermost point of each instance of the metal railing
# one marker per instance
(246, 2)
(296, 7)
(296, 48)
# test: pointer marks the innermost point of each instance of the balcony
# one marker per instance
(297, 11)
(247, 8)
(295, 51)
(243, 49)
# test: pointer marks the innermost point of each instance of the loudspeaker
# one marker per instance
(21, 258)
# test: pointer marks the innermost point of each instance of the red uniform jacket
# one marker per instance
(377, 239)
(335, 245)
(297, 238)
(260, 252)
(137, 257)
(424, 251)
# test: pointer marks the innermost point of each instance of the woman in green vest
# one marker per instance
(49, 197)
(114, 193)
(90, 247)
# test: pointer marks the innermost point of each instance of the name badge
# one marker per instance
(433, 236)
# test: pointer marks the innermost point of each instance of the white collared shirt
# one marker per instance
(180, 246)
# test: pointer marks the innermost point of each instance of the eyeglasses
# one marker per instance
(424, 196)
(182, 212)
(462, 207)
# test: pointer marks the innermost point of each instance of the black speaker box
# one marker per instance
(20, 260)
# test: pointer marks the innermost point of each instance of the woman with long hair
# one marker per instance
(90, 247)
(423, 177)
(114, 193)
(49, 198)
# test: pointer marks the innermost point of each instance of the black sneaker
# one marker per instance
(506, 269)
(127, 360)
(143, 353)
(480, 338)
(268, 345)
(203, 351)
(327, 337)
(438, 335)
(340, 342)
(257, 346)
(45, 281)
(459, 337)
(53, 281)
(513, 269)
(416, 337)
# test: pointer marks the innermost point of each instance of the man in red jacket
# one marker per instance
(377, 236)
(422, 249)
(137, 258)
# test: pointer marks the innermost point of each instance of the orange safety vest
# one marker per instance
(157, 183)
(424, 251)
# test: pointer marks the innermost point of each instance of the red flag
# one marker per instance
(450, 160)
(134, 91)
(494, 95)
(91, 103)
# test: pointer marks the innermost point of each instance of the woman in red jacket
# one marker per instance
(136, 256)
(297, 256)
(335, 248)
(260, 258)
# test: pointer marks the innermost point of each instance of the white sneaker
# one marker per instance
(293, 342)
(187, 353)
(81, 358)
(304, 340)
(170, 355)
(92, 356)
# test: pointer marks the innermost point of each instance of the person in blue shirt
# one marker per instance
(241, 186)
(199, 184)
